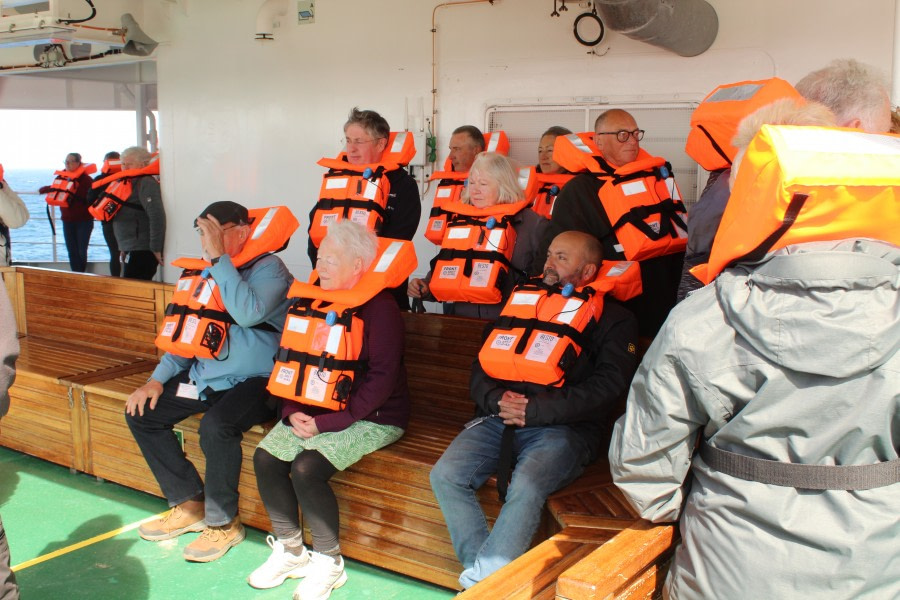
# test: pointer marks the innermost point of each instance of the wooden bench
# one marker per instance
(87, 343)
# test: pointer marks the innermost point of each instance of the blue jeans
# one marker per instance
(547, 458)
(227, 415)
(78, 235)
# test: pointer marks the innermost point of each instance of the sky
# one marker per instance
(33, 139)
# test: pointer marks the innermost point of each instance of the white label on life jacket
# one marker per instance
(524, 299)
(360, 216)
(457, 233)
(206, 293)
(371, 189)
(190, 329)
(387, 257)
(619, 248)
(503, 341)
(448, 272)
(285, 375)
(541, 347)
(264, 223)
(443, 192)
(620, 268)
(328, 219)
(334, 183)
(399, 140)
(437, 224)
(297, 324)
(674, 192)
(654, 225)
(481, 274)
(634, 187)
(316, 385)
(168, 329)
(569, 310)
(334, 339)
(495, 237)
(184, 284)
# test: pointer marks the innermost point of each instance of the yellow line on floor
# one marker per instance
(79, 545)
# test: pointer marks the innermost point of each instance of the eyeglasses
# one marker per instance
(224, 229)
(622, 135)
(349, 142)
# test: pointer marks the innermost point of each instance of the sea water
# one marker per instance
(34, 242)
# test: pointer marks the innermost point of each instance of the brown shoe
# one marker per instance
(214, 542)
(185, 517)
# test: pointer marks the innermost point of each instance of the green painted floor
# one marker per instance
(46, 508)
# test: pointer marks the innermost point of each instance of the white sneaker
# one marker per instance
(322, 576)
(279, 566)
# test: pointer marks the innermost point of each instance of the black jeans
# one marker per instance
(282, 485)
(141, 264)
(78, 235)
(228, 414)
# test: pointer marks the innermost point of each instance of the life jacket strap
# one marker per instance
(324, 362)
(470, 256)
(506, 461)
(347, 204)
(668, 209)
(808, 477)
(507, 323)
(790, 215)
(714, 143)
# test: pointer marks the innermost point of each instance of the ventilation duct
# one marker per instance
(686, 27)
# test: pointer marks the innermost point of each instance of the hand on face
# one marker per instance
(212, 237)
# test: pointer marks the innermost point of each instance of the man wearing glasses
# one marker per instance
(230, 390)
(578, 208)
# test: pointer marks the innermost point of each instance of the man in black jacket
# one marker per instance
(554, 431)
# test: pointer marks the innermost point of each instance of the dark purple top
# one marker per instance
(381, 395)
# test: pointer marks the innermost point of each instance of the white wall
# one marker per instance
(246, 121)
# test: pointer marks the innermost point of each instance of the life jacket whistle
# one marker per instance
(450, 185)
(805, 184)
(641, 199)
(550, 184)
(196, 322)
(540, 332)
(359, 192)
(474, 260)
(64, 185)
(319, 354)
(715, 121)
(119, 188)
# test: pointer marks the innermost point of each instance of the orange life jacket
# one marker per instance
(111, 166)
(641, 199)
(196, 322)
(64, 184)
(805, 184)
(474, 259)
(119, 188)
(715, 121)
(550, 186)
(539, 334)
(359, 192)
(319, 353)
(450, 185)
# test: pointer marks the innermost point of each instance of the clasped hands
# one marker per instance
(512, 408)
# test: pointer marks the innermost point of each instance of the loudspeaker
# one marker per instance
(137, 43)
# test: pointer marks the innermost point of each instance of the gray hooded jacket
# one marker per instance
(795, 360)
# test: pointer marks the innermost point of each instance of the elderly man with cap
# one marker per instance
(229, 389)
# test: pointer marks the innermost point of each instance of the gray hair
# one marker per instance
(499, 168)
(139, 154)
(354, 240)
(850, 89)
(475, 135)
(374, 124)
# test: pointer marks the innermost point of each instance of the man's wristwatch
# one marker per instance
(215, 260)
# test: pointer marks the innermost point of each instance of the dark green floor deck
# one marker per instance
(47, 509)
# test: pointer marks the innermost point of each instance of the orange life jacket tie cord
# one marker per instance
(302, 307)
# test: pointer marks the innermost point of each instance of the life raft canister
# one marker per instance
(318, 357)
(715, 121)
(550, 184)
(64, 184)
(450, 185)
(474, 260)
(359, 192)
(119, 188)
(804, 184)
(641, 199)
(196, 322)
(539, 334)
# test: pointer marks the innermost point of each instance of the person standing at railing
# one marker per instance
(140, 226)
(13, 214)
(72, 199)
(112, 163)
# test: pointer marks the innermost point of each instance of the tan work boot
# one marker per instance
(185, 517)
(214, 542)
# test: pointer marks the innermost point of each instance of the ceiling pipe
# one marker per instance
(686, 27)
(270, 17)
